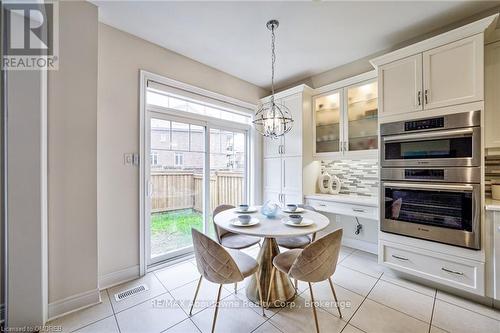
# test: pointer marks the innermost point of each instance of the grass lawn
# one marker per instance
(176, 222)
(172, 230)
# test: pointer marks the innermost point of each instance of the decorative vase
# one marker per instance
(269, 209)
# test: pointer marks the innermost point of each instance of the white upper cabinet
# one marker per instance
(328, 130)
(438, 73)
(345, 120)
(453, 73)
(401, 86)
(492, 96)
(293, 139)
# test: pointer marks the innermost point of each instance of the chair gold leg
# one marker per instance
(260, 292)
(335, 296)
(270, 286)
(236, 287)
(195, 295)
(314, 308)
(216, 308)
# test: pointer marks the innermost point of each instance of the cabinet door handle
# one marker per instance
(282, 149)
(419, 95)
(341, 146)
(426, 96)
(451, 271)
(400, 258)
(322, 205)
(345, 146)
(279, 149)
(359, 210)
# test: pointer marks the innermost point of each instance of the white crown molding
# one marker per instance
(302, 88)
(465, 31)
(346, 82)
(124, 275)
(73, 303)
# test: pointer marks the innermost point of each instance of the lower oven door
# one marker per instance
(446, 213)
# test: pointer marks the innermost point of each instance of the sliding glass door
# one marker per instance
(193, 167)
(176, 184)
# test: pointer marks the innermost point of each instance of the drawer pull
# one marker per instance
(359, 210)
(322, 205)
(400, 258)
(450, 271)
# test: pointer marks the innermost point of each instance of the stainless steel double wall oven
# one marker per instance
(431, 174)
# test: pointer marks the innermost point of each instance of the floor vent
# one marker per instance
(130, 292)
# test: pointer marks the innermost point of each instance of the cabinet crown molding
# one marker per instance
(302, 88)
(465, 31)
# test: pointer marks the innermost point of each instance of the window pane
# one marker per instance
(180, 136)
(197, 138)
(160, 134)
(156, 99)
(195, 108)
(178, 104)
(215, 140)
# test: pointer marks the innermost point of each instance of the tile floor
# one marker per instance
(373, 299)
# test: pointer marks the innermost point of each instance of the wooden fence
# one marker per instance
(173, 190)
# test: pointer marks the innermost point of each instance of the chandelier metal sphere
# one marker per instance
(273, 119)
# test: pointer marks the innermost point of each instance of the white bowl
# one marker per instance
(291, 207)
(244, 219)
(295, 219)
(244, 208)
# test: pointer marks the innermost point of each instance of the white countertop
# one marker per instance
(346, 198)
(492, 204)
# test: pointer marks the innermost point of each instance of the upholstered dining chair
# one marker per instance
(297, 242)
(315, 263)
(231, 240)
(219, 266)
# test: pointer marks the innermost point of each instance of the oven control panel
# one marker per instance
(422, 124)
(424, 174)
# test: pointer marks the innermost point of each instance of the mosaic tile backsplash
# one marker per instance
(358, 177)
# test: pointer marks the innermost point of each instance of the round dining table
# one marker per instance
(271, 229)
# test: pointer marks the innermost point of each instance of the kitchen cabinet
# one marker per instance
(345, 121)
(492, 96)
(284, 158)
(443, 75)
(401, 83)
(453, 73)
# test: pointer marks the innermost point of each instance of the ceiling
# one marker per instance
(313, 37)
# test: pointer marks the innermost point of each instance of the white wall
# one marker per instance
(26, 181)
(72, 156)
(121, 56)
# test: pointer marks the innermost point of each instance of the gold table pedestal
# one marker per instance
(283, 290)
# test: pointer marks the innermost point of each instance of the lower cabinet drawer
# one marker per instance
(449, 270)
(344, 208)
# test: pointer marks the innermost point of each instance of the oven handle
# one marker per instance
(426, 135)
(462, 188)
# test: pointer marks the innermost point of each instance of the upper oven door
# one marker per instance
(454, 147)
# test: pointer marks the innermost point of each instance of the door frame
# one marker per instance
(252, 146)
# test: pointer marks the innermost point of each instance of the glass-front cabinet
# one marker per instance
(327, 110)
(346, 121)
(362, 128)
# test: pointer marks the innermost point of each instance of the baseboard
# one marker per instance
(112, 279)
(74, 303)
(360, 245)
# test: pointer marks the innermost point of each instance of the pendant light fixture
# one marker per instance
(273, 119)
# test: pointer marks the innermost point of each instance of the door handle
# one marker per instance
(341, 146)
(426, 96)
(150, 189)
(419, 95)
(358, 210)
(451, 271)
(400, 258)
